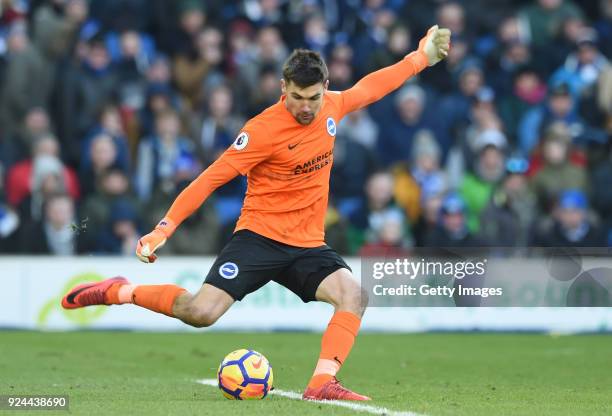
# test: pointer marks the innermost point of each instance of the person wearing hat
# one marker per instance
(452, 229)
(505, 221)
(557, 172)
(582, 67)
(571, 226)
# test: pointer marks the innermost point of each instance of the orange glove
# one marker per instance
(148, 244)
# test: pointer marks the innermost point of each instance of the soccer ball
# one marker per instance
(245, 375)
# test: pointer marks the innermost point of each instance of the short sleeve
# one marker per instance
(250, 148)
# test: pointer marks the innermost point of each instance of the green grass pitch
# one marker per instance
(123, 373)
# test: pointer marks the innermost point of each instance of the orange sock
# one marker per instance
(336, 345)
(157, 298)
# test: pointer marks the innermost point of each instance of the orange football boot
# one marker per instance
(332, 390)
(88, 294)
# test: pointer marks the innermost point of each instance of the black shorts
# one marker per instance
(250, 260)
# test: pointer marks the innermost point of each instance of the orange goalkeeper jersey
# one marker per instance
(287, 164)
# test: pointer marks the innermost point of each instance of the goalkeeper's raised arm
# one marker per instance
(433, 47)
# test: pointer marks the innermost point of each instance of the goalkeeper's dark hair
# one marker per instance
(305, 68)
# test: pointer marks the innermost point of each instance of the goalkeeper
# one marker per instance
(286, 152)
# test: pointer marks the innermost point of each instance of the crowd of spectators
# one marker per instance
(109, 108)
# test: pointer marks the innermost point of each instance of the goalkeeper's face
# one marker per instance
(303, 103)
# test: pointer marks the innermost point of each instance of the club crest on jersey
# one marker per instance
(241, 141)
(331, 126)
(228, 270)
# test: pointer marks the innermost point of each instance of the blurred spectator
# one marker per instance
(452, 229)
(88, 87)
(12, 11)
(431, 196)
(571, 225)
(444, 76)
(340, 68)
(604, 27)
(20, 176)
(528, 91)
(112, 185)
(582, 67)
(379, 209)
(266, 93)
(132, 53)
(56, 24)
(160, 154)
(121, 233)
(396, 139)
(603, 98)
(220, 126)
(558, 172)
(379, 19)
(218, 132)
(26, 83)
(454, 110)
(159, 71)
(360, 127)
(46, 180)
(560, 106)
(423, 172)
(602, 191)
(507, 31)
(201, 227)
(191, 21)
(336, 230)
(54, 233)
(353, 165)
(160, 98)
(102, 155)
(507, 218)
(119, 15)
(482, 118)
(514, 56)
(544, 19)
(240, 41)
(571, 31)
(197, 70)
(316, 34)
(477, 186)
(398, 45)
(110, 123)
(269, 51)
(35, 124)
(9, 221)
(263, 12)
(389, 239)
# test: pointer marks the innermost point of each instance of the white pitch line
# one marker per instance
(374, 410)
